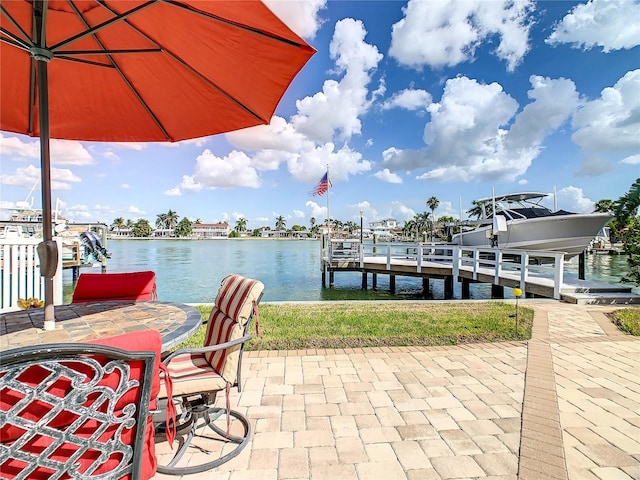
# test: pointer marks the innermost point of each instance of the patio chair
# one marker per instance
(80, 410)
(198, 374)
(97, 287)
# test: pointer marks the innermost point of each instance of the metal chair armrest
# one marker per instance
(211, 348)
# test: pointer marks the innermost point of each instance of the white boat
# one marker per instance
(521, 222)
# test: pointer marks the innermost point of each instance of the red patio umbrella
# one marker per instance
(138, 70)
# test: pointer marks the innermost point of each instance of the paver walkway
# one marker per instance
(565, 405)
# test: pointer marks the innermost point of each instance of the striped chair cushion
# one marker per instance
(237, 295)
(223, 329)
(192, 373)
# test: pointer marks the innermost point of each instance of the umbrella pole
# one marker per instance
(47, 250)
(45, 173)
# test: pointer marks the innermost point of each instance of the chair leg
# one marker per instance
(202, 419)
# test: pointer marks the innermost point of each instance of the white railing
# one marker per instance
(20, 273)
(516, 265)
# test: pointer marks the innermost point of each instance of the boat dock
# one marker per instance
(537, 273)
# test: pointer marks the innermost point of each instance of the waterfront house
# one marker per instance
(206, 231)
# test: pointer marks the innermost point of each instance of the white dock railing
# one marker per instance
(20, 273)
(512, 264)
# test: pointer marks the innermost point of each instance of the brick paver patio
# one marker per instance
(565, 405)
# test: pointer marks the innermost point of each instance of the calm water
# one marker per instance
(190, 271)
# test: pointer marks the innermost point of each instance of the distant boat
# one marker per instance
(521, 222)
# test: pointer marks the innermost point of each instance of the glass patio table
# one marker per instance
(83, 322)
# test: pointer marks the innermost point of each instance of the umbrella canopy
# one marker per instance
(134, 70)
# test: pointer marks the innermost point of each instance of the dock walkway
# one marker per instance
(537, 273)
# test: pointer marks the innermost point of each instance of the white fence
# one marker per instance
(20, 273)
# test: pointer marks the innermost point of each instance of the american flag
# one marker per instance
(322, 186)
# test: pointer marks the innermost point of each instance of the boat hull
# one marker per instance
(570, 234)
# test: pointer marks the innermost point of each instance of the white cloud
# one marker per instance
(303, 17)
(175, 191)
(316, 211)
(125, 186)
(187, 184)
(409, 100)
(135, 210)
(63, 152)
(386, 175)
(572, 198)
(610, 125)
(306, 144)
(278, 135)
(441, 33)
(110, 155)
(631, 160)
(298, 214)
(336, 110)
(210, 171)
(554, 101)
(137, 146)
(611, 24)
(311, 165)
(13, 146)
(369, 213)
(27, 177)
(78, 213)
(468, 137)
(401, 212)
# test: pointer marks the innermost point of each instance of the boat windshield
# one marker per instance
(524, 212)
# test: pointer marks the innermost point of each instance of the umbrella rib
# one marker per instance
(102, 25)
(26, 40)
(107, 52)
(13, 40)
(86, 62)
(115, 65)
(233, 24)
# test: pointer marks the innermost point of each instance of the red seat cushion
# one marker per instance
(137, 341)
(95, 287)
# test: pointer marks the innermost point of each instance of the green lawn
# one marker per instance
(627, 320)
(291, 326)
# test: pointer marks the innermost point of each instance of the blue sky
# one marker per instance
(403, 101)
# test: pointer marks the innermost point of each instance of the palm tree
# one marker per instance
(281, 223)
(409, 229)
(477, 210)
(118, 223)
(161, 221)
(241, 225)
(171, 219)
(351, 226)
(433, 203)
(421, 223)
(604, 206)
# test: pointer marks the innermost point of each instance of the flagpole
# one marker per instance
(328, 213)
